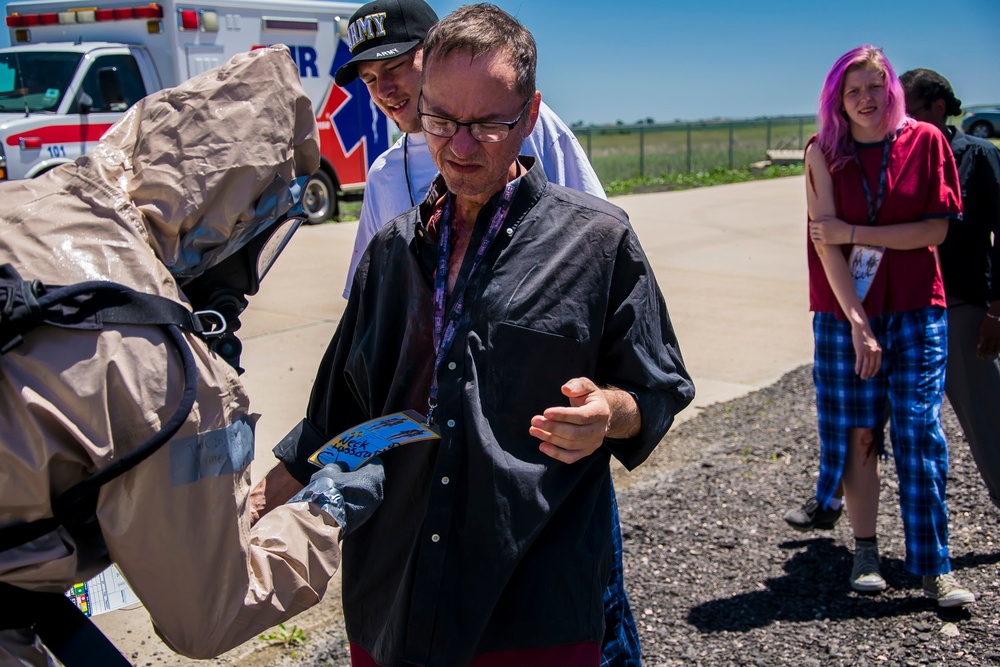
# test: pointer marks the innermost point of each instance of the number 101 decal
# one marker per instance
(56, 151)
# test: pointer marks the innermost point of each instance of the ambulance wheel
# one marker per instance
(320, 200)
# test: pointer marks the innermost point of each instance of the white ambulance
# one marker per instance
(73, 67)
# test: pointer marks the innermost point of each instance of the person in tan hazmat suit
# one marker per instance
(185, 180)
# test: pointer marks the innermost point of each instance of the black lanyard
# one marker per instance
(406, 167)
(883, 176)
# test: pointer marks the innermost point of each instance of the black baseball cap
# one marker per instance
(384, 29)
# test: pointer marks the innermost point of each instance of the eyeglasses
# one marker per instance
(485, 132)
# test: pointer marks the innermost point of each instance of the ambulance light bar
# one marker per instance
(198, 19)
(85, 15)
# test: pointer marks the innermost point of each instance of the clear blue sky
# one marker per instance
(671, 59)
(604, 61)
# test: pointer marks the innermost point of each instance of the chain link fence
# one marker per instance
(623, 152)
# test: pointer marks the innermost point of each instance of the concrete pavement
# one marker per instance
(729, 259)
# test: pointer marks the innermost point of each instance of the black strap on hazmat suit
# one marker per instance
(24, 306)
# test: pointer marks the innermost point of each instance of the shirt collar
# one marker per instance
(958, 142)
(533, 184)
(416, 138)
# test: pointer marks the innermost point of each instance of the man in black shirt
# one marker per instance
(525, 318)
(968, 257)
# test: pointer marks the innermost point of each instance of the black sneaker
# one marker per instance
(811, 517)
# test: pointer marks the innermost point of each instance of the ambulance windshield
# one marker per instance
(35, 80)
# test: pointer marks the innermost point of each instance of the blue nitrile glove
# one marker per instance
(349, 497)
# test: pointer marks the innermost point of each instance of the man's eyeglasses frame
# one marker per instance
(486, 132)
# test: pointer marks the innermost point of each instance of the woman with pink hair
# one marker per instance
(881, 190)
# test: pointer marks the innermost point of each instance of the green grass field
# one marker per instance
(350, 209)
(620, 154)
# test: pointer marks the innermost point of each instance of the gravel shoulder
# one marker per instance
(715, 576)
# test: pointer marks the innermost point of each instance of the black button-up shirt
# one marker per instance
(483, 543)
(970, 252)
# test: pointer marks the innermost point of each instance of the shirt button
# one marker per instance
(451, 423)
(435, 538)
(445, 480)
(452, 366)
(510, 231)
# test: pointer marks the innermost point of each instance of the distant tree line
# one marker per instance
(648, 120)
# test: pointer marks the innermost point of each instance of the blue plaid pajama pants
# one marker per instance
(914, 353)
(620, 647)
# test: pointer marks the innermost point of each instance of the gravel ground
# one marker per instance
(716, 577)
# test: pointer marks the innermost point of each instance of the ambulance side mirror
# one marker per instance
(111, 88)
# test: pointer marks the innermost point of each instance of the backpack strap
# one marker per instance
(26, 305)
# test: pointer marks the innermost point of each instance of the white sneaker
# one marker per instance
(947, 591)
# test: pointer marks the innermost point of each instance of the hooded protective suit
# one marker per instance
(171, 187)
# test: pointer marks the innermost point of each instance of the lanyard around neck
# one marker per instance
(883, 176)
(445, 321)
(406, 167)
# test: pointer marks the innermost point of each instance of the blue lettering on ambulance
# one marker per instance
(307, 62)
(305, 57)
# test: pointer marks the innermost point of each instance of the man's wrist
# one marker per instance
(625, 420)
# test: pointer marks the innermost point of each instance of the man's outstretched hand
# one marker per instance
(569, 434)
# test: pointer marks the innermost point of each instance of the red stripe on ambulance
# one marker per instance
(61, 134)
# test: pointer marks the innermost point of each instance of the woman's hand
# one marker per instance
(830, 230)
(867, 351)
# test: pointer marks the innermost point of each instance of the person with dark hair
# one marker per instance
(969, 257)
(880, 191)
(524, 318)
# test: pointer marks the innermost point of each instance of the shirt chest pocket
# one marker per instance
(527, 370)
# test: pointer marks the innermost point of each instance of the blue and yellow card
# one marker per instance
(353, 447)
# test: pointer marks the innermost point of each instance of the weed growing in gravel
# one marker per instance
(286, 637)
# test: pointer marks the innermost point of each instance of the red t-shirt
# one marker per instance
(922, 182)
